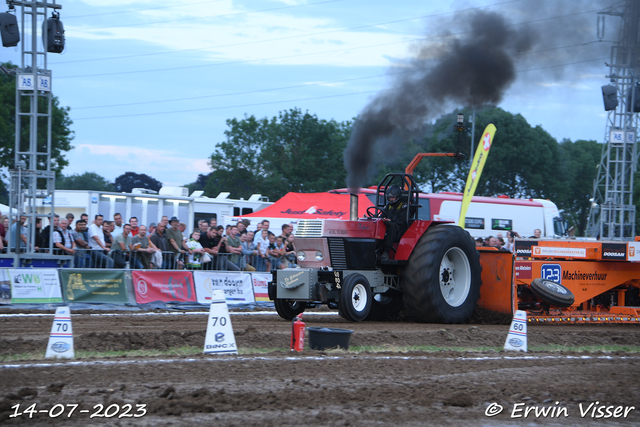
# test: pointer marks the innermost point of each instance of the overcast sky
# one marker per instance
(150, 84)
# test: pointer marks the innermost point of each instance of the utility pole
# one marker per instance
(612, 213)
(31, 176)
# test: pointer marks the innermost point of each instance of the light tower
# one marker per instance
(31, 176)
(612, 214)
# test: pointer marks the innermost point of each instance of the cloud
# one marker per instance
(272, 37)
(172, 167)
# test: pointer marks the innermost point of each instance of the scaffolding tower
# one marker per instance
(31, 176)
(612, 213)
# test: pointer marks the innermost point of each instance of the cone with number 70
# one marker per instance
(61, 338)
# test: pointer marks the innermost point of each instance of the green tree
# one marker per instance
(86, 181)
(199, 184)
(523, 160)
(294, 151)
(130, 180)
(61, 133)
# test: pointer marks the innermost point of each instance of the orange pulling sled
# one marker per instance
(564, 281)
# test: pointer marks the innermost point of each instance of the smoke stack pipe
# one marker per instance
(353, 207)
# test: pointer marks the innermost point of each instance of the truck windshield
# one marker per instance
(559, 226)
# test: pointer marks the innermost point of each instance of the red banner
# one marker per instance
(164, 286)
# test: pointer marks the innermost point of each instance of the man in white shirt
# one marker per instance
(97, 244)
(117, 222)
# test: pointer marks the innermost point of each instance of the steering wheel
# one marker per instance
(377, 212)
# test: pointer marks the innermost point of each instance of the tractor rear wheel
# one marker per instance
(441, 282)
(289, 309)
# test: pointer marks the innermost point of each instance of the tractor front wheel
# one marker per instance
(289, 309)
(355, 298)
(441, 283)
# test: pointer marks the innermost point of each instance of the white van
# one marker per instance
(487, 216)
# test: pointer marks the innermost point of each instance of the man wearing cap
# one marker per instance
(176, 240)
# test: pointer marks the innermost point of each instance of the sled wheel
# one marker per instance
(552, 292)
(441, 282)
(386, 306)
(355, 298)
(288, 309)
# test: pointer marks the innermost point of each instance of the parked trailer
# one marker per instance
(149, 206)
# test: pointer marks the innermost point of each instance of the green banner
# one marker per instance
(93, 286)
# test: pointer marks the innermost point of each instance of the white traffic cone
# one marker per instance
(220, 337)
(61, 337)
(517, 337)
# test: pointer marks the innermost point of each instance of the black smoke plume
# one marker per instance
(473, 67)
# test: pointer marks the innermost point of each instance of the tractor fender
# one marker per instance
(411, 237)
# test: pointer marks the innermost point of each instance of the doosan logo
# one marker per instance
(619, 254)
(614, 251)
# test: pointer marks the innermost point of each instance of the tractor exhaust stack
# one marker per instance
(353, 207)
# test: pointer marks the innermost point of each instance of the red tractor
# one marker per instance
(433, 271)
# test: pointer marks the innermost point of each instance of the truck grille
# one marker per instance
(337, 253)
(309, 228)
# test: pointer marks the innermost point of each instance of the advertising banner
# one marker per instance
(164, 286)
(34, 286)
(101, 286)
(5, 287)
(236, 286)
(476, 170)
(260, 281)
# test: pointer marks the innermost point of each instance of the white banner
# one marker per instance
(545, 251)
(634, 251)
(237, 287)
(260, 281)
(37, 286)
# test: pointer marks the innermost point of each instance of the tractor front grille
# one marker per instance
(337, 253)
(309, 228)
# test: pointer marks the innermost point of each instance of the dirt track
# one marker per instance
(314, 387)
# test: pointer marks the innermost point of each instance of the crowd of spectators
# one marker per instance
(498, 241)
(100, 243)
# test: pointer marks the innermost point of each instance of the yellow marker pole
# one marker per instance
(476, 169)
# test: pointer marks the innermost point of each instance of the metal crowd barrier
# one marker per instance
(127, 260)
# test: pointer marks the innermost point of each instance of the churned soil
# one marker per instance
(315, 388)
